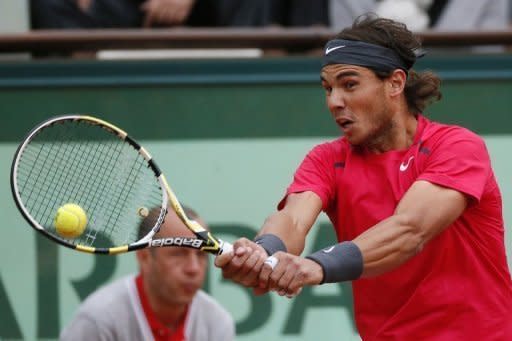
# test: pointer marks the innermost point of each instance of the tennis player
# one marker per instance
(414, 203)
(162, 302)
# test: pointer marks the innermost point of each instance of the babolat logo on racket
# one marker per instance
(178, 241)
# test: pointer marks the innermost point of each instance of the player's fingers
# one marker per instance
(259, 291)
(295, 286)
(242, 242)
(227, 260)
(253, 265)
(242, 263)
(292, 274)
(266, 271)
(281, 292)
(241, 254)
(306, 274)
(245, 265)
(223, 259)
(236, 263)
(240, 246)
(283, 282)
(279, 270)
(251, 278)
(275, 276)
(293, 294)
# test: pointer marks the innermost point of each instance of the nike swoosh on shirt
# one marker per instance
(404, 166)
(330, 49)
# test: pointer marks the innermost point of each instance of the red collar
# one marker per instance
(160, 331)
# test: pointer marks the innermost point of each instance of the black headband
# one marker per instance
(375, 57)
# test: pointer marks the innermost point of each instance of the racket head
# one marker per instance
(89, 162)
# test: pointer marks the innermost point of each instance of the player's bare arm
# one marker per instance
(424, 212)
(291, 225)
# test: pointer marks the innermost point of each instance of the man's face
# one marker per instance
(173, 274)
(358, 101)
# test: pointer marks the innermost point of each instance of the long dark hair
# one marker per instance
(421, 88)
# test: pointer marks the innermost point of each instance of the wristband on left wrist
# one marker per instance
(271, 243)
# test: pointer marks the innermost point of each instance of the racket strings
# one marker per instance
(104, 192)
(86, 165)
(93, 196)
(67, 175)
(71, 173)
(136, 195)
(115, 195)
(121, 186)
(42, 176)
(48, 164)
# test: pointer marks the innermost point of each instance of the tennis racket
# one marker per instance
(95, 165)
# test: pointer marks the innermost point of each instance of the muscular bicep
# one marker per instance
(424, 212)
(293, 222)
(431, 208)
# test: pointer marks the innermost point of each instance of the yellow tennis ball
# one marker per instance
(70, 221)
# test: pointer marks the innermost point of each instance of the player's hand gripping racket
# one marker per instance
(111, 182)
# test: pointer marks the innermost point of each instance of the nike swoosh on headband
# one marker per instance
(330, 49)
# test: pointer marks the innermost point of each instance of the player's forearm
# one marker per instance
(287, 229)
(292, 223)
(389, 244)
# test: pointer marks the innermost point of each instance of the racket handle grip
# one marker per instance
(225, 247)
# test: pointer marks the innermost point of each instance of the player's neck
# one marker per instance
(399, 136)
(406, 131)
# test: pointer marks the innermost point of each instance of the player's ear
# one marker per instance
(397, 81)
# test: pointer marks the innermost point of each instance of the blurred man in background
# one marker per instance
(162, 302)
